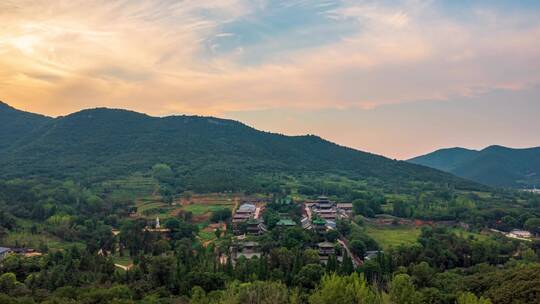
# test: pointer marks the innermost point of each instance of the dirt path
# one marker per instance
(126, 268)
(356, 260)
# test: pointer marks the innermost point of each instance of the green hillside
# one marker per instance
(101, 143)
(16, 124)
(494, 165)
(445, 159)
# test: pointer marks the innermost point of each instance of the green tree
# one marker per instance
(422, 274)
(162, 172)
(256, 293)
(402, 291)
(533, 225)
(309, 276)
(8, 281)
(351, 289)
(469, 298)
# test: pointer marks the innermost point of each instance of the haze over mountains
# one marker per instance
(109, 142)
(495, 165)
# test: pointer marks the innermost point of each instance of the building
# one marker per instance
(255, 227)
(246, 249)
(323, 203)
(284, 223)
(327, 214)
(346, 207)
(371, 254)
(27, 252)
(244, 213)
(326, 249)
(319, 225)
(306, 223)
(520, 234)
(157, 229)
(329, 210)
(4, 251)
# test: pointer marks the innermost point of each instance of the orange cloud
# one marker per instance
(62, 56)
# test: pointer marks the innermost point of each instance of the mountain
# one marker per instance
(445, 159)
(16, 124)
(100, 143)
(495, 165)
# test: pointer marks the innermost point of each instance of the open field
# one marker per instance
(134, 186)
(206, 235)
(392, 236)
(26, 239)
(468, 234)
(198, 209)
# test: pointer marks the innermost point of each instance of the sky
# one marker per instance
(398, 78)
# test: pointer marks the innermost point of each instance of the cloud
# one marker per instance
(213, 56)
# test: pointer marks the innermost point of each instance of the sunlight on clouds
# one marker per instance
(60, 56)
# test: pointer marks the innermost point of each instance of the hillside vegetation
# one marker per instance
(96, 144)
(495, 165)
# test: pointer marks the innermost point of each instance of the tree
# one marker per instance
(402, 209)
(343, 227)
(352, 289)
(309, 276)
(402, 291)
(358, 247)
(8, 281)
(162, 172)
(469, 298)
(347, 266)
(180, 229)
(161, 270)
(533, 225)
(422, 274)
(223, 214)
(256, 293)
(198, 296)
(331, 236)
(362, 207)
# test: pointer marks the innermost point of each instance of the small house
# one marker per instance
(246, 249)
(244, 213)
(326, 249)
(520, 234)
(255, 227)
(371, 254)
(4, 251)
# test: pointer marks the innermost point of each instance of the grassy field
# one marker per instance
(393, 236)
(207, 235)
(26, 239)
(468, 234)
(198, 209)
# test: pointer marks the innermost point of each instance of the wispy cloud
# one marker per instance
(216, 56)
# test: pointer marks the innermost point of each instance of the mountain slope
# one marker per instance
(445, 159)
(15, 124)
(494, 165)
(100, 143)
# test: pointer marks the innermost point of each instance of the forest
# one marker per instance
(72, 226)
(112, 206)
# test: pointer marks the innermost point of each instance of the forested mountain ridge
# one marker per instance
(494, 165)
(103, 142)
(16, 124)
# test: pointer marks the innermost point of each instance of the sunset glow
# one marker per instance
(361, 73)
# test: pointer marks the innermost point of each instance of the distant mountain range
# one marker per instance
(100, 143)
(495, 165)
